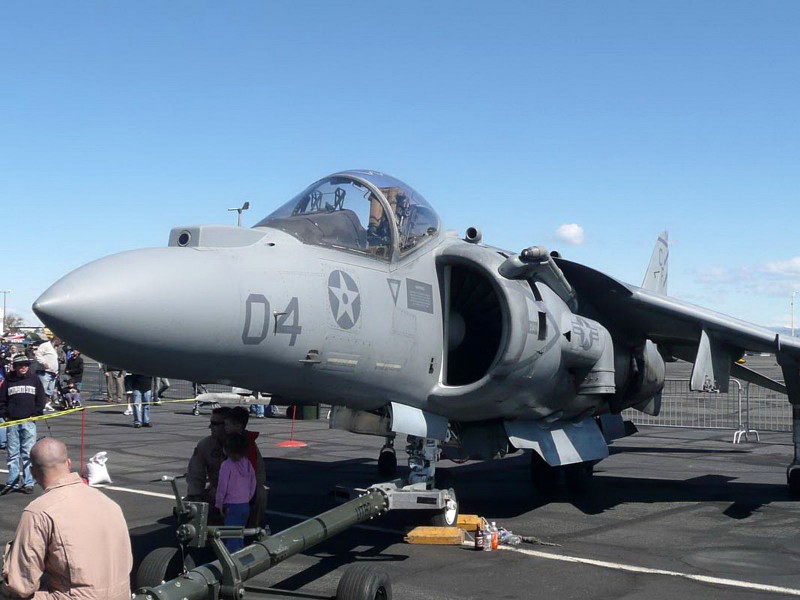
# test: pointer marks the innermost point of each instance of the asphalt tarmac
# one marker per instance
(668, 508)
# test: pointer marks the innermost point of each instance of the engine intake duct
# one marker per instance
(474, 324)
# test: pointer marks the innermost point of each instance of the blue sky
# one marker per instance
(121, 120)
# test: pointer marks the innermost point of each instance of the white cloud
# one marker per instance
(783, 267)
(571, 233)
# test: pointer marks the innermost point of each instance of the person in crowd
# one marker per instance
(5, 367)
(162, 385)
(21, 397)
(72, 395)
(72, 541)
(46, 366)
(115, 383)
(63, 355)
(236, 486)
(202, 475)
(258, 411)
(236, 422)
(141, 387)
(74, 368)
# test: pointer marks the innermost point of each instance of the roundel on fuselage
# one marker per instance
(345, 299)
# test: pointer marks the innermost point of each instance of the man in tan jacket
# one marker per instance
(71, 542)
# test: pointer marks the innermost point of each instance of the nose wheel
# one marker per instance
(387, 460)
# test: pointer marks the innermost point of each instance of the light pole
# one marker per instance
(243, 208)
(5, 293)
(793, 295)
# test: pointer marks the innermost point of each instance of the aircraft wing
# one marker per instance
(711, 340)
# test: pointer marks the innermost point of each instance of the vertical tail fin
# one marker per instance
(655, 279)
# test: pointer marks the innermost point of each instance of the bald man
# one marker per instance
(72, 541)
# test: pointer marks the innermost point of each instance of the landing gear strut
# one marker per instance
(422, 456)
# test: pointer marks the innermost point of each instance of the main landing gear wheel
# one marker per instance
(196, 411)
(364, 582)
(793, 480)
(160, 565)
(448, 517)
(578, 476)
(387, 462)
(543, 476)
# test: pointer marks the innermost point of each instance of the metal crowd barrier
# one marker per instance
(94, 385)
(746, 409)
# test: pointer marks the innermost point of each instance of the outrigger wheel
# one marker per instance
(363, 581)
(160, 565)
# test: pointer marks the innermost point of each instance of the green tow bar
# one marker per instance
(224, 578)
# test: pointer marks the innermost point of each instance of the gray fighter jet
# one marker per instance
(353, 294)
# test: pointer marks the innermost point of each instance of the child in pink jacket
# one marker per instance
(237, 485)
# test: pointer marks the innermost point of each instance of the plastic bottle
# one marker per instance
(479, 539)
(495, 536)
(487, 538)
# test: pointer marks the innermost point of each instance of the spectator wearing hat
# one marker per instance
(47, 369)
(21, 397)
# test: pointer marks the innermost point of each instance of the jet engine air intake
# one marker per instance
(473, 324)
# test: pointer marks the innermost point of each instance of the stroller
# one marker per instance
(66, 396)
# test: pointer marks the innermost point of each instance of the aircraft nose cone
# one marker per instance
(96, 298)
(133, 309)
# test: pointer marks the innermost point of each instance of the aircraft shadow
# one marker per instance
(504, 489)
(658, 450)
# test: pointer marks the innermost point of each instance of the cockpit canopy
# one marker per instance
(358, 211)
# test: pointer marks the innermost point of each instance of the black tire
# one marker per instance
(387, 463)
(363, 581)
(543, 476)
(160, 565)
(578, 477)
(196, 411)
(447, 517)
(793, 480)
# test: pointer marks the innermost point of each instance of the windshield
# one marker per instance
(360, 211)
